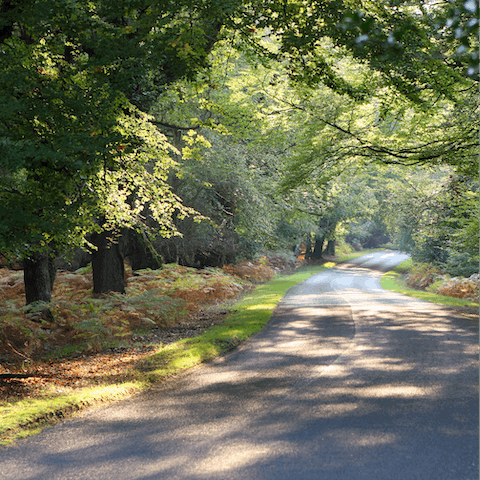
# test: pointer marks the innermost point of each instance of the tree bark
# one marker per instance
(39, 275)
(107, 264)
(318, 250)
(142, 253)
(330, 249)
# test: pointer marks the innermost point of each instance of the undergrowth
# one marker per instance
(78, 320)
(427, 282)
(422, 275)
(23, 417)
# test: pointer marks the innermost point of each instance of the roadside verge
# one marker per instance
(394, 281)
(29, 416)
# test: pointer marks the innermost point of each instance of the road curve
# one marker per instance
(348, 381)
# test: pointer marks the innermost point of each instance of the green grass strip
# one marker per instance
(395, 282)
(251, 314)
(26, 417)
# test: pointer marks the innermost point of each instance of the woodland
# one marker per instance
(142, 140)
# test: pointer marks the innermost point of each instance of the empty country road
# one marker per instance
(347, 381)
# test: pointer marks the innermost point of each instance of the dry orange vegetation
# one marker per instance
(98, 339)
(466, 288)
(160, 298)
(428, 277)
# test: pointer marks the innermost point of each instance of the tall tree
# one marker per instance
(404, 60)
(75, 144)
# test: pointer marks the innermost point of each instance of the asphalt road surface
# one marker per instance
(348, 381)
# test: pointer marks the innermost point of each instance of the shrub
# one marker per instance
(432, 250)
(466, 288)
(422, 275)
(254, 272)
(461, 265)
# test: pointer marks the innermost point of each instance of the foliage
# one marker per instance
(276, 121)
(430, 278)
(378, 82)
(228, 171)
(438, 221)
(466, 288)
(394, 281)
(76, 317)
(249, 271)
(461, 265)
(75, 143)
(406, 43)
(421, 276)
(251, 314)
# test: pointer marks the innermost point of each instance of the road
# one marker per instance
(348, 381)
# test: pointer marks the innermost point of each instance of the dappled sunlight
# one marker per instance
(231, 457)
(338, 387)
(355, 439)
(394, 391)
(264, 307)
(296, 392)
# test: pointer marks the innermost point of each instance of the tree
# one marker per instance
(230, 164)
(75, 144)
(438, 221)
(81, 158)
(397, 63)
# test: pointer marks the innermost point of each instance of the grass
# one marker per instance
(27, 417)
(251, 315)
(22, 418)
(395, 281)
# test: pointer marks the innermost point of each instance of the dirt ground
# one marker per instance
(110, 366)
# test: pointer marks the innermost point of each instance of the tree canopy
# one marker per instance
(76, 82)
(263, 116)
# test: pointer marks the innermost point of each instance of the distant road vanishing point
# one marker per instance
(347, 382)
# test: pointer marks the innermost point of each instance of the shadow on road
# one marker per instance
(334, 390)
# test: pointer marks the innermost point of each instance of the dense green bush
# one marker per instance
(461, 265)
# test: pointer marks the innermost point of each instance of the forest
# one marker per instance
(141, 137)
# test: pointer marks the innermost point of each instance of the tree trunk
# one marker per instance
(39, 276)
(308, 249)
(330, 250)
(107, 264)
(318, 250)
(142, 253)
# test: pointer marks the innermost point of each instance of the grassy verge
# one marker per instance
(25, 417)
(395, 281)
(29, 416)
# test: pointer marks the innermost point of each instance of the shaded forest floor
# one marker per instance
(82, 350)
(82, 340)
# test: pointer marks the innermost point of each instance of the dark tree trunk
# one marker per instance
(39, 275)
(308, 249)
(142, 253)
(107, 264)
(330, 250)
(318, 250)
